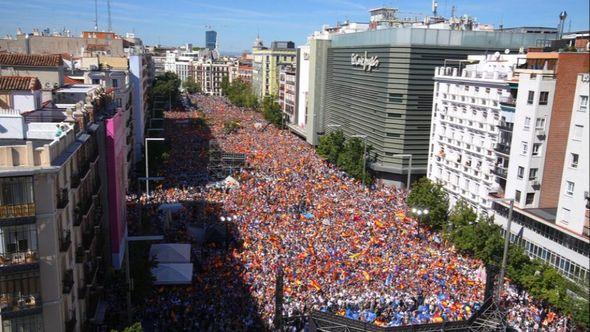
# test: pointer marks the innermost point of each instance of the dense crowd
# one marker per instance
(342, 248)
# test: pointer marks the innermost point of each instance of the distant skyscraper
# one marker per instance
(211, 39)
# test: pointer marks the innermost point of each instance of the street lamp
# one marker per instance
(364, 137)
(506, 245)
(147, 176)
(420, 212)
(409, 168)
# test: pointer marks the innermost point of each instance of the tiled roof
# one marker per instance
(31, 60)
(69, 80)
(19, 83)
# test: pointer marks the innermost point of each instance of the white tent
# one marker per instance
(171, 252)
(173, 274)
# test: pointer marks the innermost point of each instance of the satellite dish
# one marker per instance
(521, 50)
(507, 51)
(497, 55)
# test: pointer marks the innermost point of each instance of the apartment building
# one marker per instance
(209, 74)
(266, 64)
(470, 127)
(51, 220)
(574, 201)
(49, 69)
(548, 121)
(20, 93)
(142, 72)
(288, 92)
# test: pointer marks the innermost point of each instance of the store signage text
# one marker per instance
(364, 61)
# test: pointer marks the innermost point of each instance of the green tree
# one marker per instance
(225, 86)
(190, 85)
(432, 196)
(271, 110)
(132, 328)
(331, 145)
(352, 158)
(167, 85)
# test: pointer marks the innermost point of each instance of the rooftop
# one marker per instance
(78, 88)
(31, 60)
(19, 83)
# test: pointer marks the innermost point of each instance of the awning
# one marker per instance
(171, 252)
(173, 274)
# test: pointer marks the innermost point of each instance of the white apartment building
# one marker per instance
(288, 92)
(548, 170)
(534, 105)
(466, 127)
(209, 74)
(572, 211)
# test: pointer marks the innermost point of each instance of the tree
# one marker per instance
(430, 195)
(191, 86)
(132, 328)
(331, 145)
(271, 110)
(167, 85)
(352, 159)
(225, 86)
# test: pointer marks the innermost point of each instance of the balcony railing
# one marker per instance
(65, 241)
(502, 148)
(17, 211)
(29, 256)
(75, 180)
(16, 304)
(68, 281)
(62, 198)
(80, 255)
(501, 172)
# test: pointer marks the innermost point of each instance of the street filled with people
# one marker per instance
(342, 248)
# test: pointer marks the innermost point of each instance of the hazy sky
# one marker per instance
(174, 22)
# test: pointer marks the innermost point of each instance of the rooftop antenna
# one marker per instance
(434, 8)
(569, 27)
(562, 17)
(95, 15)
(109, 11)
(453, 8)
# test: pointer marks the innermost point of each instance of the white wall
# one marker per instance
(24, 101)
(572, 208)
(302, 85)
(11, 125)
(521, 134)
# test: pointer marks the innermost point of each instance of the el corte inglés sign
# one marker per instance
(364, 61)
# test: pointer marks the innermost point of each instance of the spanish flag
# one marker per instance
(379, 224)
(367, 276)
(315, 285)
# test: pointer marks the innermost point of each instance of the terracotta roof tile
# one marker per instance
(69, 80)
(19, 83)
(32, 60)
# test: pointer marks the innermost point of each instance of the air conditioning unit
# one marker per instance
(536, 183)
(540, 132)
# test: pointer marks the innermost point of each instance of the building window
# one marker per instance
(488, 90)
(467, 88)
(393, 135)
(533, 173)
(530, 198)
(540, 123)
(543, 98)
(517, 196)
(476, 89)
(583, 103)
(536, 149)
(115, 83)
(569, 188)
(394, 115)
(574, 157)
(525, 147)
(520, 172)
(95, 81)
(527, 123)
(531, 98)
(578, 132)
(565, 212)
(396, 98)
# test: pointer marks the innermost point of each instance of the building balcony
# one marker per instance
(68, 281)
(90, 271)
(502, 148)
(10, 260)
(62, 199)
(80, 255)
(65, 241)
(82, 292)
(13, 305)
(75, 180)
(501, 172)
(17, 211)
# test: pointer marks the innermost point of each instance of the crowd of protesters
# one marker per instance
(341, 247)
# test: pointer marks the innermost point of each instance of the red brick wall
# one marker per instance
(569, 65)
